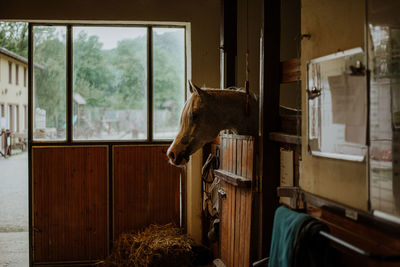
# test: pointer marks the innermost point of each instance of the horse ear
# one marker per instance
(195, 89)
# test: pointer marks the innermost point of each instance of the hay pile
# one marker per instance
(157, 245)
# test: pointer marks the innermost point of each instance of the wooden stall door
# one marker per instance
(146, 188)
(70, 203)
(71, 200)
(236, 174)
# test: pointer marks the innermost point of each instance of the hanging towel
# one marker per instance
(286, 226)
(311, 248)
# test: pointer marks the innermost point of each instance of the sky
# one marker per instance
(110, 36)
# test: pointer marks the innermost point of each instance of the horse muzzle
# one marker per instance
(178, 158)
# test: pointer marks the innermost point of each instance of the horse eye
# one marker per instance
(194, 116)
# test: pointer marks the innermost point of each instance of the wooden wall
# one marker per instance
(70, 203)
(75, 200)
(236, 174)
(146, 188)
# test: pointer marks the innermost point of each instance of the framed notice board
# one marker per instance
(337, 105)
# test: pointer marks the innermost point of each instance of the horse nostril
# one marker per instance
(172, 155)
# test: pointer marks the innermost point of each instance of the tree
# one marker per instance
(14, 37)
(50, 80)
(92, 78)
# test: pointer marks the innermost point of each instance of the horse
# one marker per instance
(205, 114)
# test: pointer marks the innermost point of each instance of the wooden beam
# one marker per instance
(290, 71)
(285, 138)
(233, 179)
(269, 121)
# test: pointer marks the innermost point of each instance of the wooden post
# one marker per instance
(269, 120)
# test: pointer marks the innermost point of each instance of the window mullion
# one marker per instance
(149, 84)
(69, 80)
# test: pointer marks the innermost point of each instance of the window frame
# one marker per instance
(69, 139)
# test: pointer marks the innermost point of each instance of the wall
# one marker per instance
(203, 17)
(334, 26)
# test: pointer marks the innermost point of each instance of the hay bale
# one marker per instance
(157, 245)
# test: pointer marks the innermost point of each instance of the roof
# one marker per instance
(17, 57)
(79, 99)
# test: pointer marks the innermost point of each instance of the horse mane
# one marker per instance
(232, 88)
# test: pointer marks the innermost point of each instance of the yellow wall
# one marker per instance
(333, 25)
(203, 18)
(12, 93)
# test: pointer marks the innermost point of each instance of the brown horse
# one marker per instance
(205, 114)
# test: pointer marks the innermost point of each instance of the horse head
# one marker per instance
(205, 114)
(196, 126)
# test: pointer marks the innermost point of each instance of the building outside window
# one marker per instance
(14, 99)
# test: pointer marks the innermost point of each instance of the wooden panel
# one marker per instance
(235, 225)
(224, 233)
(236, 173)
(70, 219)
(146, 188)
(239, 148)
(244, 158)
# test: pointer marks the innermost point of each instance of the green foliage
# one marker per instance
(169, 64)
(14, 37)
(50, 80)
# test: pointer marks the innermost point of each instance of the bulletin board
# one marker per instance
(337, 105)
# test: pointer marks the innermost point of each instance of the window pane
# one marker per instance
(110, 83)
(168, 80)
(49, 59)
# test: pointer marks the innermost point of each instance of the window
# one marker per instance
(16, 118)
(9, 118)
(25, 118)
(49, 102)
(2, 117)
(9, 72)
(128, 83)
(16, 73)
(110, 83)
(168, 80)
(25, 77)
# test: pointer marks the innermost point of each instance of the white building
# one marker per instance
(13, 92)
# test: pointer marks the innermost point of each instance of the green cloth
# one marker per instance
(286, 227)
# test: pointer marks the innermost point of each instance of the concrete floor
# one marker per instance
(14, 210)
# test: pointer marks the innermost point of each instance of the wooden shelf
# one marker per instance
(233, 179)
(285, 138)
